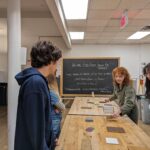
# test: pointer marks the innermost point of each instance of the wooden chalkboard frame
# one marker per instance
(61, 77)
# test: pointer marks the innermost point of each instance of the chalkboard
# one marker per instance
(86, 75)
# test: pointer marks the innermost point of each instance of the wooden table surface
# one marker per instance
(75, 137)
(90, 106)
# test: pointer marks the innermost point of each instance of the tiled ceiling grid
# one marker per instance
(102, 25)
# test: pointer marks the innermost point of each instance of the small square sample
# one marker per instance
(86, 107)
(115, 129)
(108, 109)
(89, 129)
(112, 140)
(89, 119)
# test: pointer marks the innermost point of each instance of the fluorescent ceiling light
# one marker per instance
(77, 35)
(75, 9)
(138, 35)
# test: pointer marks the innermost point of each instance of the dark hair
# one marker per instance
(43, 53)
(122, 71)
(147, 82)
(146, 68)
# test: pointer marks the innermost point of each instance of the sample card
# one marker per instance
(89, 119)
(108, 109)
(89, 129)
(90, 102)
(115, 129)
(108, 104)
(86, 107)
(112, 140)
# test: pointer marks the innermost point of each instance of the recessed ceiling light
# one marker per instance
(138, 35)
(77, 35)
(75, 9)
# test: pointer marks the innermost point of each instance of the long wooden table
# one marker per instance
(75, 137)
(90, 106)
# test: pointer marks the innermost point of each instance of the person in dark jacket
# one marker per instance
(146, 72)
(33, 123)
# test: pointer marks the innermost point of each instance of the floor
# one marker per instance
(3, 127)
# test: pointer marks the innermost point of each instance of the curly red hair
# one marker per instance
(121, 71)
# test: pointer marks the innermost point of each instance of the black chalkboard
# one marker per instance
(84, 76)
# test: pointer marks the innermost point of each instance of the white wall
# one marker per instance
(34, 29)
(131, 56)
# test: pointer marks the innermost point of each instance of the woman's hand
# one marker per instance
(117, 114)
(57, 111)
(107, 100)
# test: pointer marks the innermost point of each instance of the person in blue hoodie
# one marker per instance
(33, 123)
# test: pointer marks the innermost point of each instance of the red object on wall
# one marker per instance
(124, 19)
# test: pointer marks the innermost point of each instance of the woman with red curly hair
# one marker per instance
(124, 94)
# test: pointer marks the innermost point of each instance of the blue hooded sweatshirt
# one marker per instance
(33, 124)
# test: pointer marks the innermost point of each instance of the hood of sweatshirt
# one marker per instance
(25, 74)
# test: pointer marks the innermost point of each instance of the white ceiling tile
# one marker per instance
(144, 14)
(124, 34)
(119, 38)
(76, 29)
(91, 22)
(133, 4)
(129, 42)
(114, 23)
(103, 23)
(140, 22)
(131, 28)
(108, 34)
(99, 14)
(76, 23)
(91, 41)
(104, 4)
(118, 13)
(147, 6)
(108, 38)
(92, 35)
(104, 40)
(116, 41)
(92, 29)
(112, 29)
